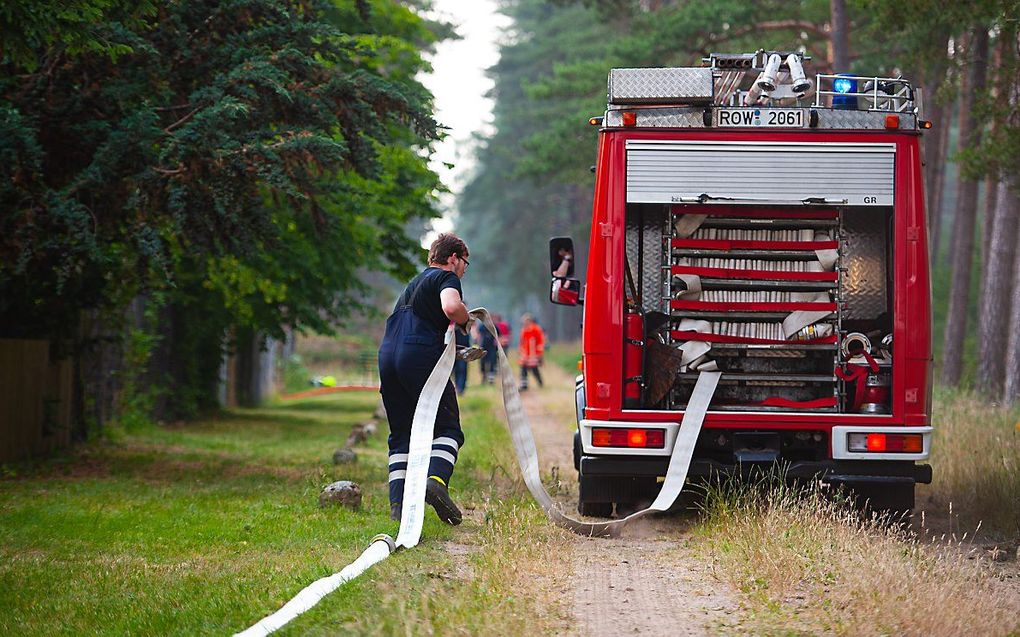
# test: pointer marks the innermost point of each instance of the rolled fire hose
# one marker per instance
(412, 513)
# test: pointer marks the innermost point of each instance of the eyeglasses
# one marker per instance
(466, 262)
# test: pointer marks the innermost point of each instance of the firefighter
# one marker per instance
(490, 362)
(410, 349)
(532, 346)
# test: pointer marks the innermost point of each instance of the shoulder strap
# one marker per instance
(417, 288)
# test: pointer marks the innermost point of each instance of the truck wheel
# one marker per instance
(595, 509)
(577, 451)
(641, 492)
(623, 509)
(595, 496)
(894, 500)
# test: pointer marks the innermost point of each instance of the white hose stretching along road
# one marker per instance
(413, 512)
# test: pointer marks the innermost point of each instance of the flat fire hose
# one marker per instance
(527, 455)
(413, 511)
(412, 515)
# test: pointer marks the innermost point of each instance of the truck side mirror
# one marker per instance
(564, 291)
(561, 256)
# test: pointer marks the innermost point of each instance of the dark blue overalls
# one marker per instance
(410, 350)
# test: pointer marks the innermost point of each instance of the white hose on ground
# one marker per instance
(527, 456)
(412, 514)
(380, 548)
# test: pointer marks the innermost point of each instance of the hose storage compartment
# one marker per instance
(767, 294)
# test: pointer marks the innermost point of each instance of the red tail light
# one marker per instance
(876, 442)
(885, 443)
(633, 438)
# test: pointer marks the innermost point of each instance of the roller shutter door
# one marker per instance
(757, 172)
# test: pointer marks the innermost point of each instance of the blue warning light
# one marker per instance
(847, 84)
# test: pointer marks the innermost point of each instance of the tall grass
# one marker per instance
(809, 565)
(976, 462)
(565, 356)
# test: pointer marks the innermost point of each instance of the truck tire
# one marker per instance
(595, 509)
(577, 451)
(639, 495)
(595, 496)
(893, 500)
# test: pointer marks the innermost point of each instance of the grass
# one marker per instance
(976, 463)
(348, 358)
(208, 527)
(805, 565)
(565, 356)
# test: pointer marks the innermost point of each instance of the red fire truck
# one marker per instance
(752, 220)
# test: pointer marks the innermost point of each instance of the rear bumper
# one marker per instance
(848, 472)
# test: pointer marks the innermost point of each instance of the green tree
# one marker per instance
(251, 159)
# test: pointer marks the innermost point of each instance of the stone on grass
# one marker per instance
(360, 433)
(342, 493)
(344, 456)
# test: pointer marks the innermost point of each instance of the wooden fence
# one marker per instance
(35, 400)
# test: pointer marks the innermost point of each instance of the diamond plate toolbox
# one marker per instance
(865, 286)
(663, 85)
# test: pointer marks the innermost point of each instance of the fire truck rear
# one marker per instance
(771, 226)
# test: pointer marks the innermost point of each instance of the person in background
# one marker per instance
(504, 330)
(532, 346)
(410, 349)
(460, 365)
(489, 362)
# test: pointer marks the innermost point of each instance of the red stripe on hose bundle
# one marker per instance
(746, 244)
(738, 211)
(732, 273)
(758, 306)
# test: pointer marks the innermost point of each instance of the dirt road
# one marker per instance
(648, 582)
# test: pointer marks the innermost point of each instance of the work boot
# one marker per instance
(395, 511)
(438, 496)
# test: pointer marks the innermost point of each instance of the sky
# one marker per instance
(459, 84)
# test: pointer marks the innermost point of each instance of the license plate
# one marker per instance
(760, 117)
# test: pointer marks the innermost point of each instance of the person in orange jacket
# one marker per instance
(532, 345)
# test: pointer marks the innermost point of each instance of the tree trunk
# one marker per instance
(839, 40)
(1000, 89)
(954, 74)
(99, 357)
(996, 291)
(963, 225)
(1011, 87)
(938, 180)
(1011, 394)
(160, 369)
(248, 370)
(988, 218)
